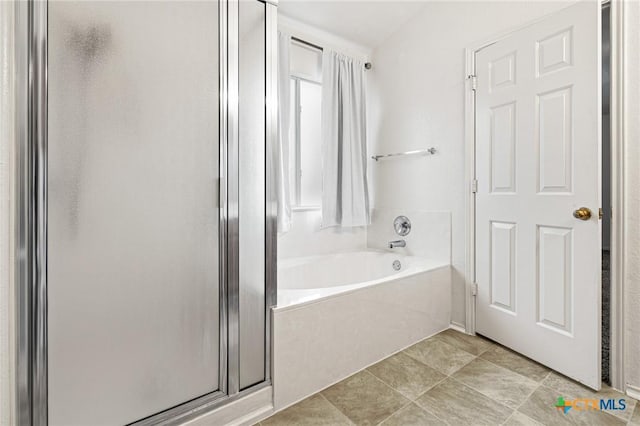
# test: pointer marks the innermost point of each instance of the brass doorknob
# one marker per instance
(582, 213)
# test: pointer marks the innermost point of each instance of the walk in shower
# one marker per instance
(146, 234)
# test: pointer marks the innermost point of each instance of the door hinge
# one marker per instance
(600, 213)
(474, 289)
(474, 186)
(474, 81)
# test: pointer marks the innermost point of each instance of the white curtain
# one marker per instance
(345, 196)
(282, 154)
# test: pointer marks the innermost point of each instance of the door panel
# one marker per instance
(252, 197)
(133, 274)
(538, 160)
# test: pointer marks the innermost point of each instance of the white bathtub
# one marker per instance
(338, 314)
(304, 279)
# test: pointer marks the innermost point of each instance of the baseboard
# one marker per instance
(633, 391)
(247, 410)
(255, 416)
(457, 327)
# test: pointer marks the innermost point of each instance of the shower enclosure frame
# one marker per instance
(31, 214)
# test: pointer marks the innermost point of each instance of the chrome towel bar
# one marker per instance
(429, 151)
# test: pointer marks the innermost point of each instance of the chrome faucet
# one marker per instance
(397, 243)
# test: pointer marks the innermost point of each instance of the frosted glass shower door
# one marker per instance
(133, 210)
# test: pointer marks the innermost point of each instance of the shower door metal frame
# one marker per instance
(31, 214)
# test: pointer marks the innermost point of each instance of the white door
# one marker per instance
(537, 162)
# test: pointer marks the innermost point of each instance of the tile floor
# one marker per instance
(455, 379)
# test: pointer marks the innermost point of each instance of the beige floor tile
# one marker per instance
(516, 362)
(519, 419)
(364, 399)
(315, 410)
(412, 415)
(635, 418)
(406, 375)
(460, 405)
(541, 407)
(472, 344)
(439, 355)
(500, 384)
(568, 388)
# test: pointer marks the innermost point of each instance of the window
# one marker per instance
(305, 153)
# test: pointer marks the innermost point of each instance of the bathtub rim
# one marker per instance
(360, 286)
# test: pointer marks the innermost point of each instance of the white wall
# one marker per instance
(632, 196)
(416, 100)
(6, 258)
(322, 38)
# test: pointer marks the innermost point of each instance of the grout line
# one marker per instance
(524, 402)
(490, 343)
(427, 410)
(387, 385)
(339, 410)
(538, 384)
(421, 393)
(436, 384)
(482, 393)
(529, 396)
(410, 400)
(392, 414)
(509, 418)
(394, 390)
(447, 344)
(446, 376)
(517, 354)
(515, 372)
(547, 376)
(433, 414)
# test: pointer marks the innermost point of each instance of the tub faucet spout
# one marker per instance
(397, 243)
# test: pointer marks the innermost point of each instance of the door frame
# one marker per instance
(30, 403)
(616, 360)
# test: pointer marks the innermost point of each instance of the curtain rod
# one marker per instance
(299, 40)
(367, 65)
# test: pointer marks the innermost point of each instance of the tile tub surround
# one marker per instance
(307, 237)
(484, 384)
(319, 343)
